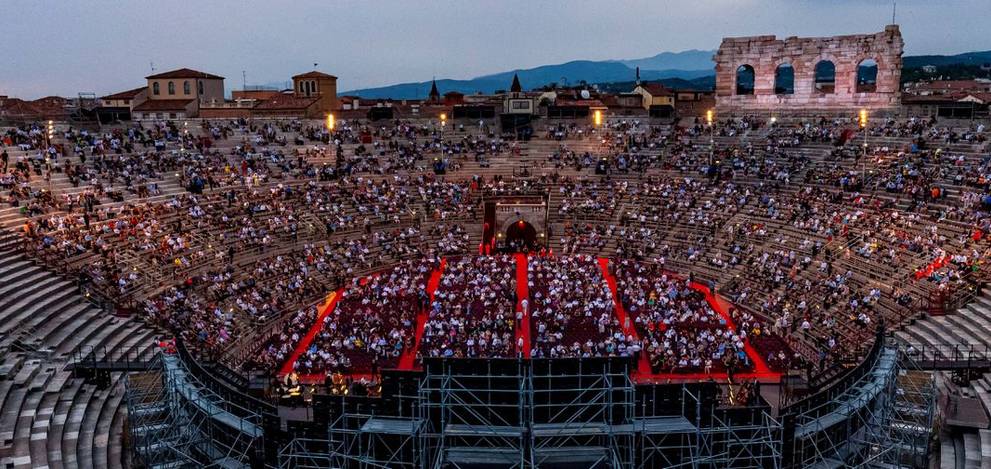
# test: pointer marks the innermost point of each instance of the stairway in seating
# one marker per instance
(969, 325)
(48, 418)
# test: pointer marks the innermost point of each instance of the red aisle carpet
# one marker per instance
(408, 360)
(644, 373)
(523, 291)
(643, 364)
(330, 304)
(721, 306)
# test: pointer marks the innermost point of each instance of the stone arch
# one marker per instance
(866, 72)
(784, 78)
(824, 76)
(536, 222)
(746, 79)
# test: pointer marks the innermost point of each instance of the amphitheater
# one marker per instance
(644, 293)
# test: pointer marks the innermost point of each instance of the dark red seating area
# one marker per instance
(373, 322)
(572, 312)
(472, 315)
(679, 329)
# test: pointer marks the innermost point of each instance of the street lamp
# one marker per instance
(597, 117)
(331, 123)
(712, 142)
(51, 132)
(863, 128)
(443, 122)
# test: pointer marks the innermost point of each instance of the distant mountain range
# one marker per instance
(967, 58)
(685, 65)
(679, 70)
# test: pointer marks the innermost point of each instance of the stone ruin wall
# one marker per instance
(765, 53)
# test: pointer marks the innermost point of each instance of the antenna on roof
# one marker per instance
(152, 65)
(894, 8)
(315, 65)
(244, 80)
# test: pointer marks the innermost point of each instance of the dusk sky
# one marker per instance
(71, 46)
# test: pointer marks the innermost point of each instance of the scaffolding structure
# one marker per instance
(176, 421)
(581, 414)
(474, 417)
(882, 418)
(588, 413)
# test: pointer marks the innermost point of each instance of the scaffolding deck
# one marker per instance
(545, 430)
(571, 455)
(480, 430)
(392, 426)
(466, 456)
(674, 424)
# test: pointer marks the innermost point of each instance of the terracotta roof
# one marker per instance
(284, 101)
(125, 94)
(656, 89)
(313, 74)
(953, 85)
(580, 102)
(184, 73)
(163, 105)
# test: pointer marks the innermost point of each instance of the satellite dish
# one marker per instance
(586, 94)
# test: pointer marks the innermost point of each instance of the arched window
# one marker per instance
(784, 79)
(155, 90)
(745, 80)
(825, 76)
(867, 76)
(199, 87)
(313, 84)
(186, 89)
(171, 88)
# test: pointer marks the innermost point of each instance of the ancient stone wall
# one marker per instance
(766, 53)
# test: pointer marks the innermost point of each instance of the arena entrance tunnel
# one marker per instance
(521, 236)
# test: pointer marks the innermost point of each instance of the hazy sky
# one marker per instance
(69, 46)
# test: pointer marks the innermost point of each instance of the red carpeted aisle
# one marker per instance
(327, 308)
(523, 291)
(408, 360)
(644, 373)
(721, 306)
(643, 364)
